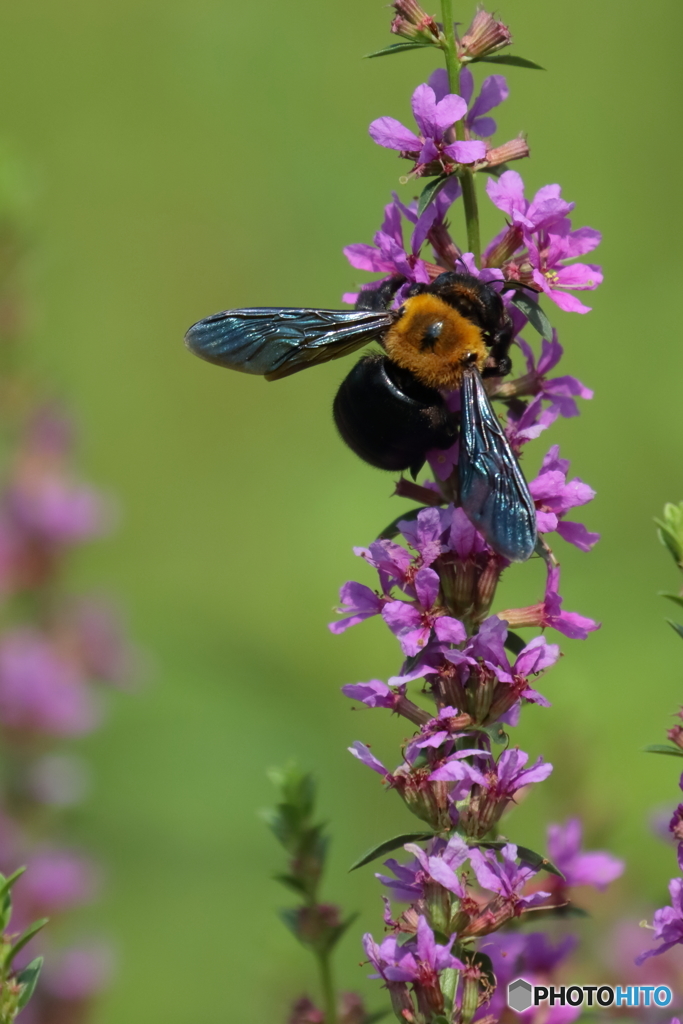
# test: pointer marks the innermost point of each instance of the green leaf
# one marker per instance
(676, 626)
(28, 978)
(391, 844)
(430, 192)
(534, 314)
(530, 857)
(671, 530)
(392, 530)
(370, 1018)
(297, 885)
(400, 48)
(337, 933)
(676, 598)
(509, 58)
(25, 938)
(497, 733)
(663, 748)
(290, 918)
(7, 883)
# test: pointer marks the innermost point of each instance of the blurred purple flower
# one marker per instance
(79, 972)
(433, 119)
(55, 881)
(55, 509)
(58, 780)
(553, 497)
(597, 868)
(40, 691)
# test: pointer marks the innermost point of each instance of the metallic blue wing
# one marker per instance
(493, 491)
(276, 342)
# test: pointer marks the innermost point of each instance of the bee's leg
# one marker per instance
(379, 299)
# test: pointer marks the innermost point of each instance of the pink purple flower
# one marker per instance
(40, 691)
(554, 496)
(494, 91)
(597, 868)
(561, 392)
(505, 877)
(434, 119)
(542, 226)
(668, 923)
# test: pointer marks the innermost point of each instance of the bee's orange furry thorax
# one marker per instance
(439, 363)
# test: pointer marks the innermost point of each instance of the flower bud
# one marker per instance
(484, 36)
(676, 735)
(427, 800)
(412, 22)
(515, 149)
(438, 906)
(505, 248)
(470, 998)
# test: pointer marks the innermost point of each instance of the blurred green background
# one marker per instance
(192, 155)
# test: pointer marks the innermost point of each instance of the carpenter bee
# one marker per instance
(390, 409)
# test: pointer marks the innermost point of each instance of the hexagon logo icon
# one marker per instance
(520, 995)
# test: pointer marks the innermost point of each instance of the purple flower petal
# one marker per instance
(578, 535)
(450, 109)
(466, 152)
(424, 111)
(449, 630)
(390, 133)
(427, 587)
(365, 755)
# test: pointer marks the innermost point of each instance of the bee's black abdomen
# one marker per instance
(388, 418)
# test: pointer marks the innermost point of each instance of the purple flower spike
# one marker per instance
(553, 497)
(433, 119)
(597, 869)
(668, 923)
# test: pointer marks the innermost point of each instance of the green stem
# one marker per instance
(327, 986)
(469, 192)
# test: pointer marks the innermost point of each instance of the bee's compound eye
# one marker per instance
(400, 312)
(469, 358)
(431, 335)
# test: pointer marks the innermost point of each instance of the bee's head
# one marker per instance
(435, 341)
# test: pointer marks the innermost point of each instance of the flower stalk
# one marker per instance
(469, 191)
